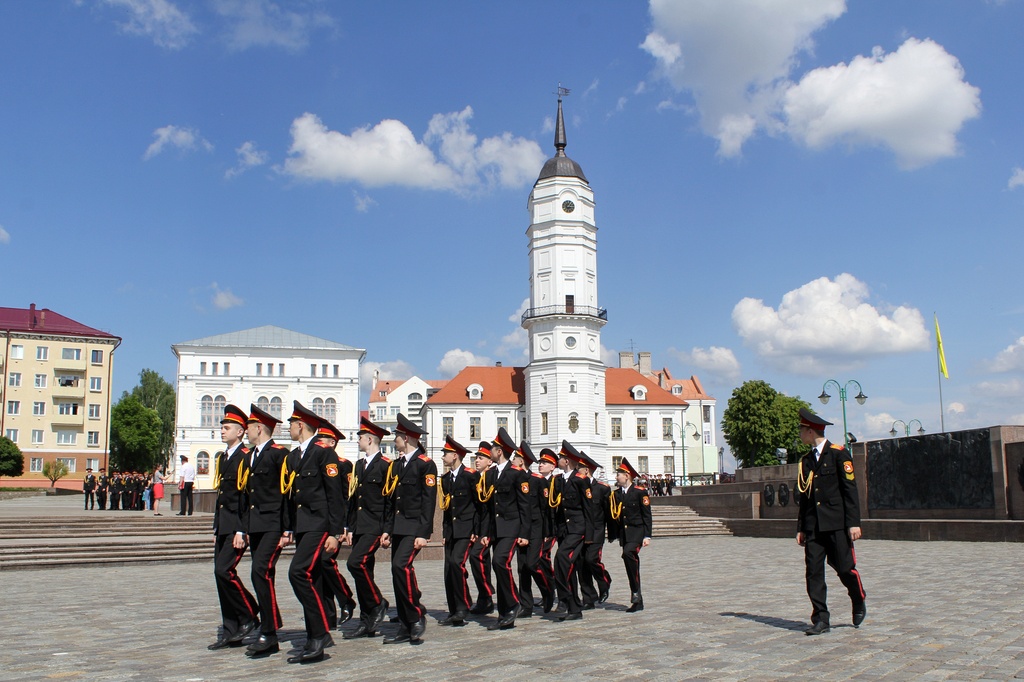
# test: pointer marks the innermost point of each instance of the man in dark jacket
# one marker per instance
(460, 525)
(573, 524)
(592, 568)
(530, 570)
(829, 520)
(337, 593)
(630, 512)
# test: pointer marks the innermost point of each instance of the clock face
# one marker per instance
(568, 206)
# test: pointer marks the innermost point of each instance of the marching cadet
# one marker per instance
(238, 607)
(829, 520)
(336, 589)
(552, 483)
(508, 526)
(530, 556)
(314, 478)
(460, 525)
(410, 521)
(267, 523)
(573, 524)
(591, 564)
(480, 551)
(630, 511)
(89, 488)
(369, 496)
(102, 487)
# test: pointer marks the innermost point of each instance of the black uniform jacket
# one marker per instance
(571, 517)
(368, 506)
(462, 517)
(415, 497)
(634, 522)
(269, 511)
(316, 496)
(538, 507)
(597, 511)
(549, 509)
(508, 510)
(831, 503)
(231, 502)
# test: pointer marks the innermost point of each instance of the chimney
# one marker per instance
(626, 359)
(498, 363)
(32, 316)
(42, 318)
(645, 363)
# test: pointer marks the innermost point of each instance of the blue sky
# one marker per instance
(786, 190)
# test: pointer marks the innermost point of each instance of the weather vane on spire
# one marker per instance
(562, 92)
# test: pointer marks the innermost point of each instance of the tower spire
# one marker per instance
(560, 123)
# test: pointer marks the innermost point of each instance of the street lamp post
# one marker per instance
(682, 439)
(906, 427)
(860, 398)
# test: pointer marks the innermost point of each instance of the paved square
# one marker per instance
(718, 608)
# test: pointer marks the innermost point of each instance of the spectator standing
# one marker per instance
(158, 490)
(186, 481)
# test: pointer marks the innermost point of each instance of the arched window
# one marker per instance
(330, 409)
(414, 397)
(218, 408)
(318, 407)
(275, 407)
(263, 403)
(203, 463)
(206, 412)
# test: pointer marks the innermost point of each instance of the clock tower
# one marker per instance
(565, 378)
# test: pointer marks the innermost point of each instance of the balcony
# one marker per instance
(566, 310)
(70, 364)
(68, 419)
(69, 389)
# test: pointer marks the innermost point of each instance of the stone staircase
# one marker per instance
(680, 521)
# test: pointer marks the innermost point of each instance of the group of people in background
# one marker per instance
(545, 529)
(124, 490)
(660, 485)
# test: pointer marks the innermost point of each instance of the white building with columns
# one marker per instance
(269, 366)
(566, 391)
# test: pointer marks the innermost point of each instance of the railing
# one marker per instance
(581, 310)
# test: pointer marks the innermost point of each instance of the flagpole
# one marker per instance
(940, 363)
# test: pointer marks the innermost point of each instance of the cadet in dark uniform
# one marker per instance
(337, 593)
(102, 486)
(369, 496)
(552, 483)
(460, 524)
(529, 557)
(509, 526)
(829, 520)
(238, 607)
(630, 512)
(480, 551)
(573, 524)
(115, 489)
(591, 563)
(317, 520)
(89, 488)
(410, 522)
(267, 523)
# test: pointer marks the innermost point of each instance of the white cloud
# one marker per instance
(160, 20)
(733, 56)
(223, 299)
(827, 324)
(185, 139)
(248, 157)
(718, 361)
(364, 202)
(455, 360)
(1012, 388)
(516, 344)
(261, 23)
(913, 101)
(1016, 178)
(956, 408)
(5, 236)
(389, 154)
(1010, 359)
(609, 356)
(390, 369)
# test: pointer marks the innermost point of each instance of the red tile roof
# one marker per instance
(44, 321)
(691, 388)
(619, 381)
(502, 386)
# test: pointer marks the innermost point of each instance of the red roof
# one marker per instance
(502, 386)
(619, 381)
(34, 320)
(691, 388)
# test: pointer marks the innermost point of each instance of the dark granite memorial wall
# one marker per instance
(935, 471)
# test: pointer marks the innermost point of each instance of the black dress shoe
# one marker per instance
(483, 609)
(635, 597)
(380, 613)
(819, 628)
(417, 630)
(547, 602)
(180, 514)
(638, 606)
(364, 630)
(525, 613)
(220, 644)
(506, 622)
(314, 651)
(587, 606)
(345, 615)
(244, 631)
(401, 636)
(859, 612)
(454, 619)
(264, 646)
(602, 597)
(571, 616)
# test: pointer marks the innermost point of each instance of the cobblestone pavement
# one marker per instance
(718, 608)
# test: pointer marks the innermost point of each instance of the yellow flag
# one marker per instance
(942, 353)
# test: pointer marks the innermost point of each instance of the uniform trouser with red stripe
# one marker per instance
(237, 605)
(592, 570)
(569, 549)
(836, 548)
(336, 591)
(504, 551)
(456, 577)
(264, 551)
(480, 562)
(403, 575)
(631, 560)
(545, 566)
(304, 575)
(530, 572)
(361, 561)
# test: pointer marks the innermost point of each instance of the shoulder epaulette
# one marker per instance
(640, 488)
(837, 446)
(579, 475)
(517, 468)
(280, 447)
(424, 457)
(245, 450)
(535, 474)
(384, 458)
(341, 459)
(602, 483)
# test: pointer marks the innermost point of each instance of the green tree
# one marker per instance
(12, 462)
(55, 471)
(134, 435)
(758, 420)
(157, 394)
